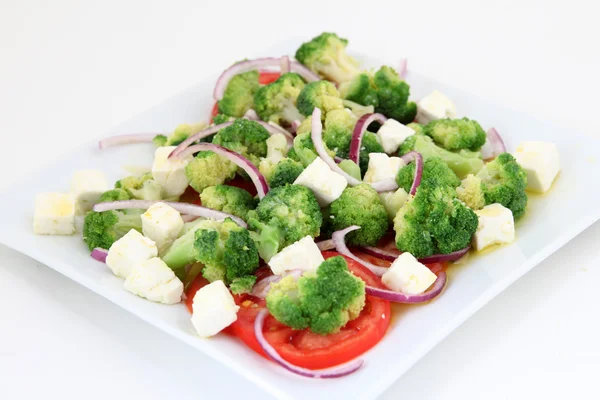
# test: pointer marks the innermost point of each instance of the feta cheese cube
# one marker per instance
(213, 309)
(303, 255)
(54, 214)
(392, 134)
(87, 186)
(496, 226)
(541, 162)
(162, 224)
(152, 279)
(407, 275)
(324, 183)
(382, 166)
(170, 173)
(435, 106)
(127, 252)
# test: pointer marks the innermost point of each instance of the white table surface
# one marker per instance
(69, 70)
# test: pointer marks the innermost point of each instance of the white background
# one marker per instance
(70, 70)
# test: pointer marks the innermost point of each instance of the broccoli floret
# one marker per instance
(160, 140)
(114, 195)
(284, 216)
(326, 56)
(226, 250)
(221, 119)
(304, 149)
(323, 301)
(142, 187)
(359, 205)
(245, 137)
(358, 109)
(462, 163)
(456, 134)
(321, 94)
(239, 94)
(350, 167)
(283, 173)
(209, 169)
(179, 134)
(393, 201)
(499, 181)
(182, 252)
(229, 199)
(276, 102)
(434, 221)
(102, 229)
(242, 285)
(415, 126)
(434, 170)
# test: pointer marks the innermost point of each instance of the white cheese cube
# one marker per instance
(496, 226)
(170, 172)
(326, 184)
(87, 186)
(392, 134)
(541, 162)
(382, 166)
(407, 275)
(303, 255)
(213, 309)
(153, 280)
(54, 214)
(127, 252)
(162, 224)
(435, 106)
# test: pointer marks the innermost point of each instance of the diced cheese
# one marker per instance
(324, 183)
(407, 275)
(87, 186)
(541, 162)
(153, 280)
(382, 166)
(162, 224)
(496, 226)
(392, 134)
(303, 255)
(170, 172)
(435, 106)
(393, 201)
(127, 252)
(213, 309)
(54, 214)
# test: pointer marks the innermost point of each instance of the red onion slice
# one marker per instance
(445, 257)
(294, 126)
(284, 64)
(317, 138)
(261, 288)
(99, 254)
(402, 68)
(251, 115)
(184, 208)
(338, 159)
(334, 372)
(396, 297)
(197, 136)
(338, 238)
(418, 159)
(257, 178)
(359, 130)
(385, 185)
(304, 72)
(496, 144)
(189, 218)
(126, 139)
(325, 245)
(379, 253)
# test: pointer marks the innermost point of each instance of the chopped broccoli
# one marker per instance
(320, 94)
(114, 195)
(358, 109)
(326, 56)
(160, 140)
(323, 301)
(359, 205)
(392, 201)
(242, 285)
(350, 167)
(239, 94)
(434, 169)
(284, 216)
(245, 137)
(304, 149)
(283, 173)
(142, 187)
(418, 128)
(208, 169)
(182, 252)
(179, 134)
(502, 181)
(456, 134)
(229, 199)
(102, 229)
(462, 163)
(276, 102)
(434, 221)
(221, 119)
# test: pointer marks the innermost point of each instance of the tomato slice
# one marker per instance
(242, 183)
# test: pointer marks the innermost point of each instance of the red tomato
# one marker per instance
(215, 110)
(190, 196)
(243, 184)
(268, 77)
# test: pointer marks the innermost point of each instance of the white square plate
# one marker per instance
(551, 221)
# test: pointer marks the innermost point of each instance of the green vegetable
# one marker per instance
(393, 201)
(229, 199)
(102, 229)
(179, 134)
(434, 170)
(242, 285)
(114, 195)
(456, 134)
(499, 181)
(182, 252)
(304, 149)
(320, 94)
(285, 215)
(142, 187)
(276, 101)
(359, 205)
(323, 301)
(282, 173)
(209, 169)
(239, 94)
(221, 119)
(245, 137)
(350, 167)
(326, 56)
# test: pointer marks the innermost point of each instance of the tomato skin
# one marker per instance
(242, 183)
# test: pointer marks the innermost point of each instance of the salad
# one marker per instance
(318, 195)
